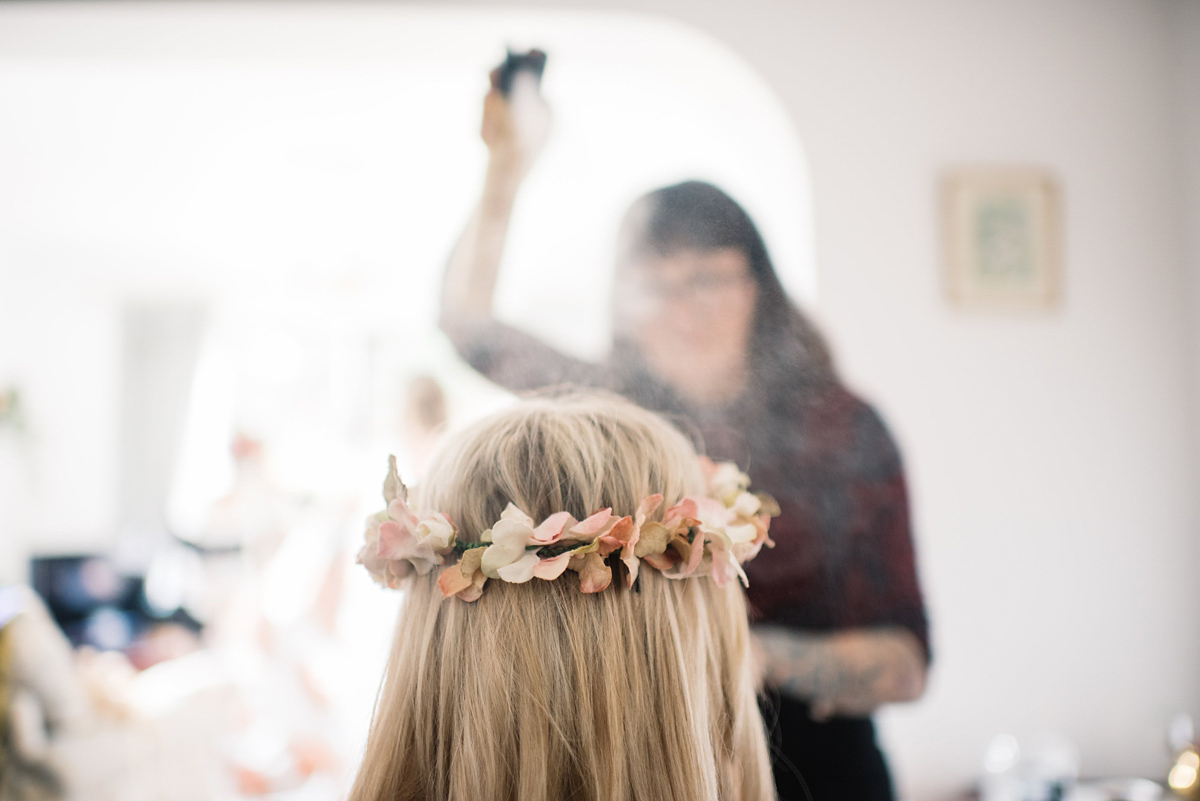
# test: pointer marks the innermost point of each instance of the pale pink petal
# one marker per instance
(724, 566)
(452, 581)
(552, 568)
(398, 510)
(685, 509)
(551, 529)
(617, 536)
(593, 524)
(632, 563)
(658, 561)
(395, 541)
(696, 553)
(647, 507)
(712, 511)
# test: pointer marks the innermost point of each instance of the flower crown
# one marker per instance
(711, 535)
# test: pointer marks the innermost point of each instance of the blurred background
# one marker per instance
(222, 229)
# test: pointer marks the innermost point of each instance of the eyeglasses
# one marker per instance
(703, 289)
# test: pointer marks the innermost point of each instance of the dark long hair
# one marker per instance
(787, 354)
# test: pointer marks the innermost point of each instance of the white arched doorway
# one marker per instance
(303, 170)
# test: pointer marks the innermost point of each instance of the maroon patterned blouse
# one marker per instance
(843, 555)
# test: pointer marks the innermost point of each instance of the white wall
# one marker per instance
(1186, 24)
(1051, 455)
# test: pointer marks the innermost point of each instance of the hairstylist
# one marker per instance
(704, 331)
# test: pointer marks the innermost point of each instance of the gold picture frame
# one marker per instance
(1003, 237)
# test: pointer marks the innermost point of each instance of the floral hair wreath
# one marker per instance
(711, 535)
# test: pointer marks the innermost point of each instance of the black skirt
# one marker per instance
(833, 760)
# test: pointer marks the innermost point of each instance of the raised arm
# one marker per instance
(851, 672)
(514, 129)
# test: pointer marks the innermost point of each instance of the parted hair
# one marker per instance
(539, 692)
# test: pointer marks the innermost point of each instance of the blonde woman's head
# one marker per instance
(540, 692)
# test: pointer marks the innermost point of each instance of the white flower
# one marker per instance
(741, 532)
(510, 535)
(745, 505)
(435, 531)
(728, 482)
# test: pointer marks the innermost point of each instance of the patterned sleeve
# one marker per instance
(521, 362)
(878, 582)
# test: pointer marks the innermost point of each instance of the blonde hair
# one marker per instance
(539, 692)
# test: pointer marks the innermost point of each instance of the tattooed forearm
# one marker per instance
(850, 672)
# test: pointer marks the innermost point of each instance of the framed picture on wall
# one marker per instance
(1002, 228)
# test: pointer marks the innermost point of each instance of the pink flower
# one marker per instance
(629, 554)
(724, 566)
(708, 519)
(398, 541)
(420, 541)
(679, 518)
